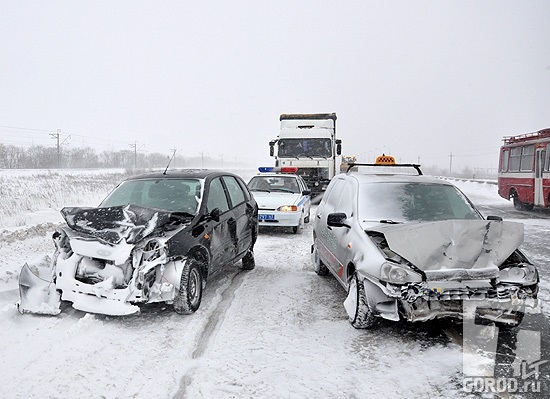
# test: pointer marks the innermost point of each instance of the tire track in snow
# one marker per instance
(206, 335)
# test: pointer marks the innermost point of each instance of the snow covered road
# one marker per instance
(278, 331)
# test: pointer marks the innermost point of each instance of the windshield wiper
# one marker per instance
(182, 215)
(384, 221)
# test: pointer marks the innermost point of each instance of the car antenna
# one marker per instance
(170, 161)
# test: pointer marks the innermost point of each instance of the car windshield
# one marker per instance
(274, 183)
(406, 202)
(174, 195)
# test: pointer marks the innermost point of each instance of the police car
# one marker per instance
(283, 198)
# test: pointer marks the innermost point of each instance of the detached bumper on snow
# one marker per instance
(37, 292)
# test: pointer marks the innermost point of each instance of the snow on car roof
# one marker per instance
(181, 173)
(381, 178)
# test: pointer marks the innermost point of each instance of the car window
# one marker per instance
(217, 197)
(286, 184)
(346, 199)
(259, 183)
(332, 195)
(175, 195)
(401, 202)
(235, 191)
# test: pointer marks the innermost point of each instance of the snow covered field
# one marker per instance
(278, 331)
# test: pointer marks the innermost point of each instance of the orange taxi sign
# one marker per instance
(385, 160)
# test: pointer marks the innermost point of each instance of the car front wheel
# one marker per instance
(189, 296)
(248, 260)
(359, 311)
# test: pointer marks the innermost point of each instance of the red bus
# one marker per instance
(524, 169)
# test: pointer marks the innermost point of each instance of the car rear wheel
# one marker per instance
(362, 315)
(318, 264)
(248, 260)
(189, 296)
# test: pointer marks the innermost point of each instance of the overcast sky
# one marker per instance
(419, 79)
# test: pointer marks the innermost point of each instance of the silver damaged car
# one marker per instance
(411, 247)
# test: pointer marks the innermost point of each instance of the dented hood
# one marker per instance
(131, 222)
(453, 244)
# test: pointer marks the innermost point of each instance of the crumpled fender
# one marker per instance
(37, 291)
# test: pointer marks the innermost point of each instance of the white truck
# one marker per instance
(308, 141)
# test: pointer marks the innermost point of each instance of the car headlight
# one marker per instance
(522, 273)
(288, 208)
(152, 250)
(397, 274)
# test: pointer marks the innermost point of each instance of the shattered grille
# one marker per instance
(502, 293)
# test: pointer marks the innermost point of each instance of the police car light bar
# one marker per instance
(284, 169)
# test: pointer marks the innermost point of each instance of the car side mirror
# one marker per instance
(497, 218)
(215, 214)
(306, 192)
(337, 220)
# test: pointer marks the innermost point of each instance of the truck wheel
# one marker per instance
(522, 206)
(189, 296)
(363, 316)
(248, 260)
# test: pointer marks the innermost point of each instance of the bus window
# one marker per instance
(504, 162)
(547, 158)
(515, 157)
(527, 158)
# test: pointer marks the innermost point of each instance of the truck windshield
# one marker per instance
(305, 147)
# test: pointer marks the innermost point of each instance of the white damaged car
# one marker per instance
(415, 248)
(283, 198)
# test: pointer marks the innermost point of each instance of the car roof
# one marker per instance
(183, 174)
(362, 178)
(276, 175)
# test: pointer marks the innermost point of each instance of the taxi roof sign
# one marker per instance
(386, 160)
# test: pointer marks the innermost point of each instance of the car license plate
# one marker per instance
(266, 217)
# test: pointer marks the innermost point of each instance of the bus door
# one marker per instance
(539, 167)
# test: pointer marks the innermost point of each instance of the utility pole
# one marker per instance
(57, 137)
(135, 154)
(451, 164)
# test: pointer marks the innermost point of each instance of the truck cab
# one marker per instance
(308, 142)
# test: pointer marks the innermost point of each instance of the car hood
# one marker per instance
(273, 200)
(453, 244)
(112, 224)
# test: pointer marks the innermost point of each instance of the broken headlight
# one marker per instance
(522, 273)
(398, 274)
(152, 250)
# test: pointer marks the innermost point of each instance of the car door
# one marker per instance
(342, 235)
(333, 241)
(325, 235)
(222, 232)
(307, 197)
(243, 213)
